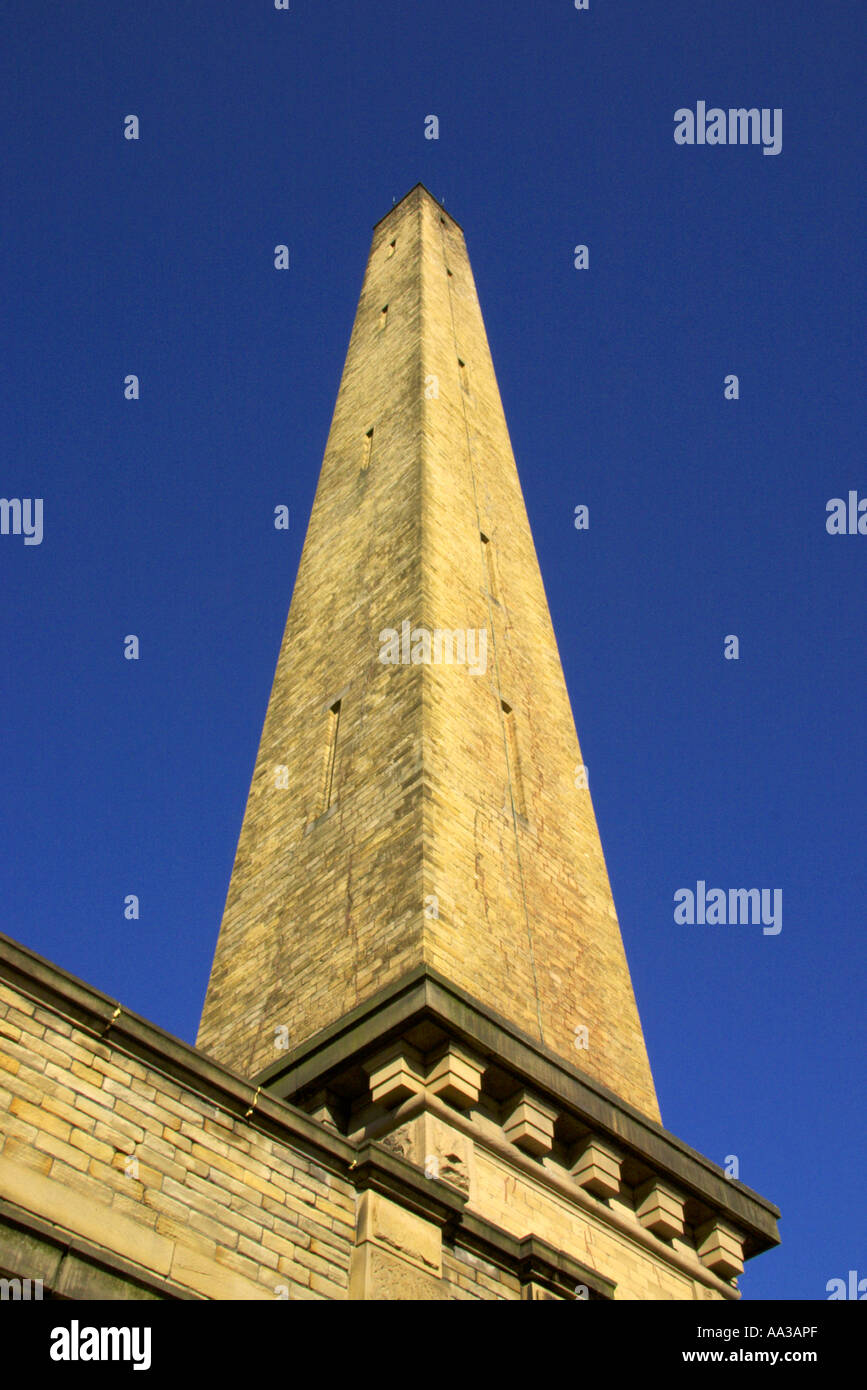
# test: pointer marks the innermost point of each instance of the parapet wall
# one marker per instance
(154, 1166)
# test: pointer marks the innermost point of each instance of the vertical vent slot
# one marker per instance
(366, 450)
(490, 572)
(516, 781)
(330, 757)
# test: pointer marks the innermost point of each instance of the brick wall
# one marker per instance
(123, 1156)
(469, 1277)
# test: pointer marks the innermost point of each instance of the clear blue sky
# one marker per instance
(707, 516)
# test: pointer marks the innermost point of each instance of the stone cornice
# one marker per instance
(425, 995)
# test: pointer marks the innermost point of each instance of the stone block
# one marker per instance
(456, 1077)
(402, 1233)
(659, 1209)
(395, 1074)
(530, 1124)
(597, 1169)
(91, 1219)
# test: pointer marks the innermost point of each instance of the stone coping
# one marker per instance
(70, 1266)
(109, 1022)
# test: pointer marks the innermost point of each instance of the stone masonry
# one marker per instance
(455, 835)
(134, 1167)
(386, 1100)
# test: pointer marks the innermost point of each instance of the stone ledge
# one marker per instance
(424, 997)
(376, 1169)
(533, 1260)
(542, 1264)
(28, 1243)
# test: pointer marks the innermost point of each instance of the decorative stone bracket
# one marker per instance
(598, 1169)
(721, 1249)
(530, 1124)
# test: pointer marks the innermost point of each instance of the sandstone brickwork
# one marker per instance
(147, 1169)
(134, 1167)
(386, 1101)
(451, 832)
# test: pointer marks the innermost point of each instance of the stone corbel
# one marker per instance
(720, 1249)
(456, 1077)
(530, 1124)
(659, 1209)
(395, 1074)
(597, 1169)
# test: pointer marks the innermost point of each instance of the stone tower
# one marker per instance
(420, 1071)
(420, 942)
(421, 812)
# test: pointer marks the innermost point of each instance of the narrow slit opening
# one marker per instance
(490, 574)
(516, 781)
(330, 757)
(366, 450)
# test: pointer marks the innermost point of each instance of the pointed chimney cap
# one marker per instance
(427, 193)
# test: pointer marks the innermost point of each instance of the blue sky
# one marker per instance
(707, 516)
